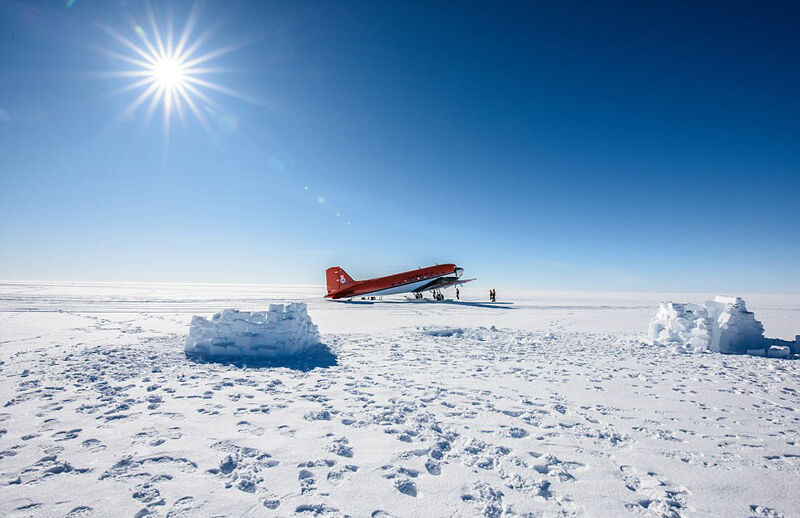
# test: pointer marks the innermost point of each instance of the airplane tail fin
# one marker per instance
(336, 278)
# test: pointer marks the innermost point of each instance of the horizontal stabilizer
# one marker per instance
(443, 282)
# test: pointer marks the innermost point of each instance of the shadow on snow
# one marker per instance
(317, 357)
(490, 305)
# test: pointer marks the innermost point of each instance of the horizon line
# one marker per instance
(321, 286)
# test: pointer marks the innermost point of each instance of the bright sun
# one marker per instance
(169, 73)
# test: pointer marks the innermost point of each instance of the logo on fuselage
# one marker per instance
(342, 279)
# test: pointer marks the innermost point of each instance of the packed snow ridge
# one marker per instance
(233, 334)
(723, 325)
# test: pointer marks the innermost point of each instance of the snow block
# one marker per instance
(778, 351)
(680, 324)
(736, 329)
(233, 334)
(722, 325)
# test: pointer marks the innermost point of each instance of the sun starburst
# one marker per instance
(169, 74)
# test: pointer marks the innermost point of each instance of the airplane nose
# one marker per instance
(459, 272)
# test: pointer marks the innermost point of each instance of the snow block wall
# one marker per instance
(722, 325)
(233, 334)
(736, 329)
(681, 323)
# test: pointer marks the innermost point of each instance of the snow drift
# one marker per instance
(722, 325)
(232, 334)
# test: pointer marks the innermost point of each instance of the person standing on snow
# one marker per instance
(457, 293)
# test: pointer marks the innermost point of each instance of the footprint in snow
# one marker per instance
(554, 467)
(341, 447)
(247, 427)
(653, 495)
(308, 484)
(316, 510)
(486, 499)
(336, 476)
(272, 503)
(147, 494)
(82, 511)
(406, 486)
(93, 445)
(183, 507)
(764, 512)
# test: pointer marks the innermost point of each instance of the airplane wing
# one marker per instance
(442, 282)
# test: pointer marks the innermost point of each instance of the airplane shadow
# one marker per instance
(489, 305)
(492, 305)
(319, 357)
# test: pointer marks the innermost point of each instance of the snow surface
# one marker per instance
(543, 404)
(243, 335)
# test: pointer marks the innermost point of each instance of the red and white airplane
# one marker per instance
(342, 286)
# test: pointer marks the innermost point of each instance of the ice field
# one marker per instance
(542, 404)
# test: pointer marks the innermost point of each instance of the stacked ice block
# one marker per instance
(233, 334)
(722, 324)
(681, 323)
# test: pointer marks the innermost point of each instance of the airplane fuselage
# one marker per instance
(340, 285)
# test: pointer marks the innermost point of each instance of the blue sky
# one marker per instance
(560, 146)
